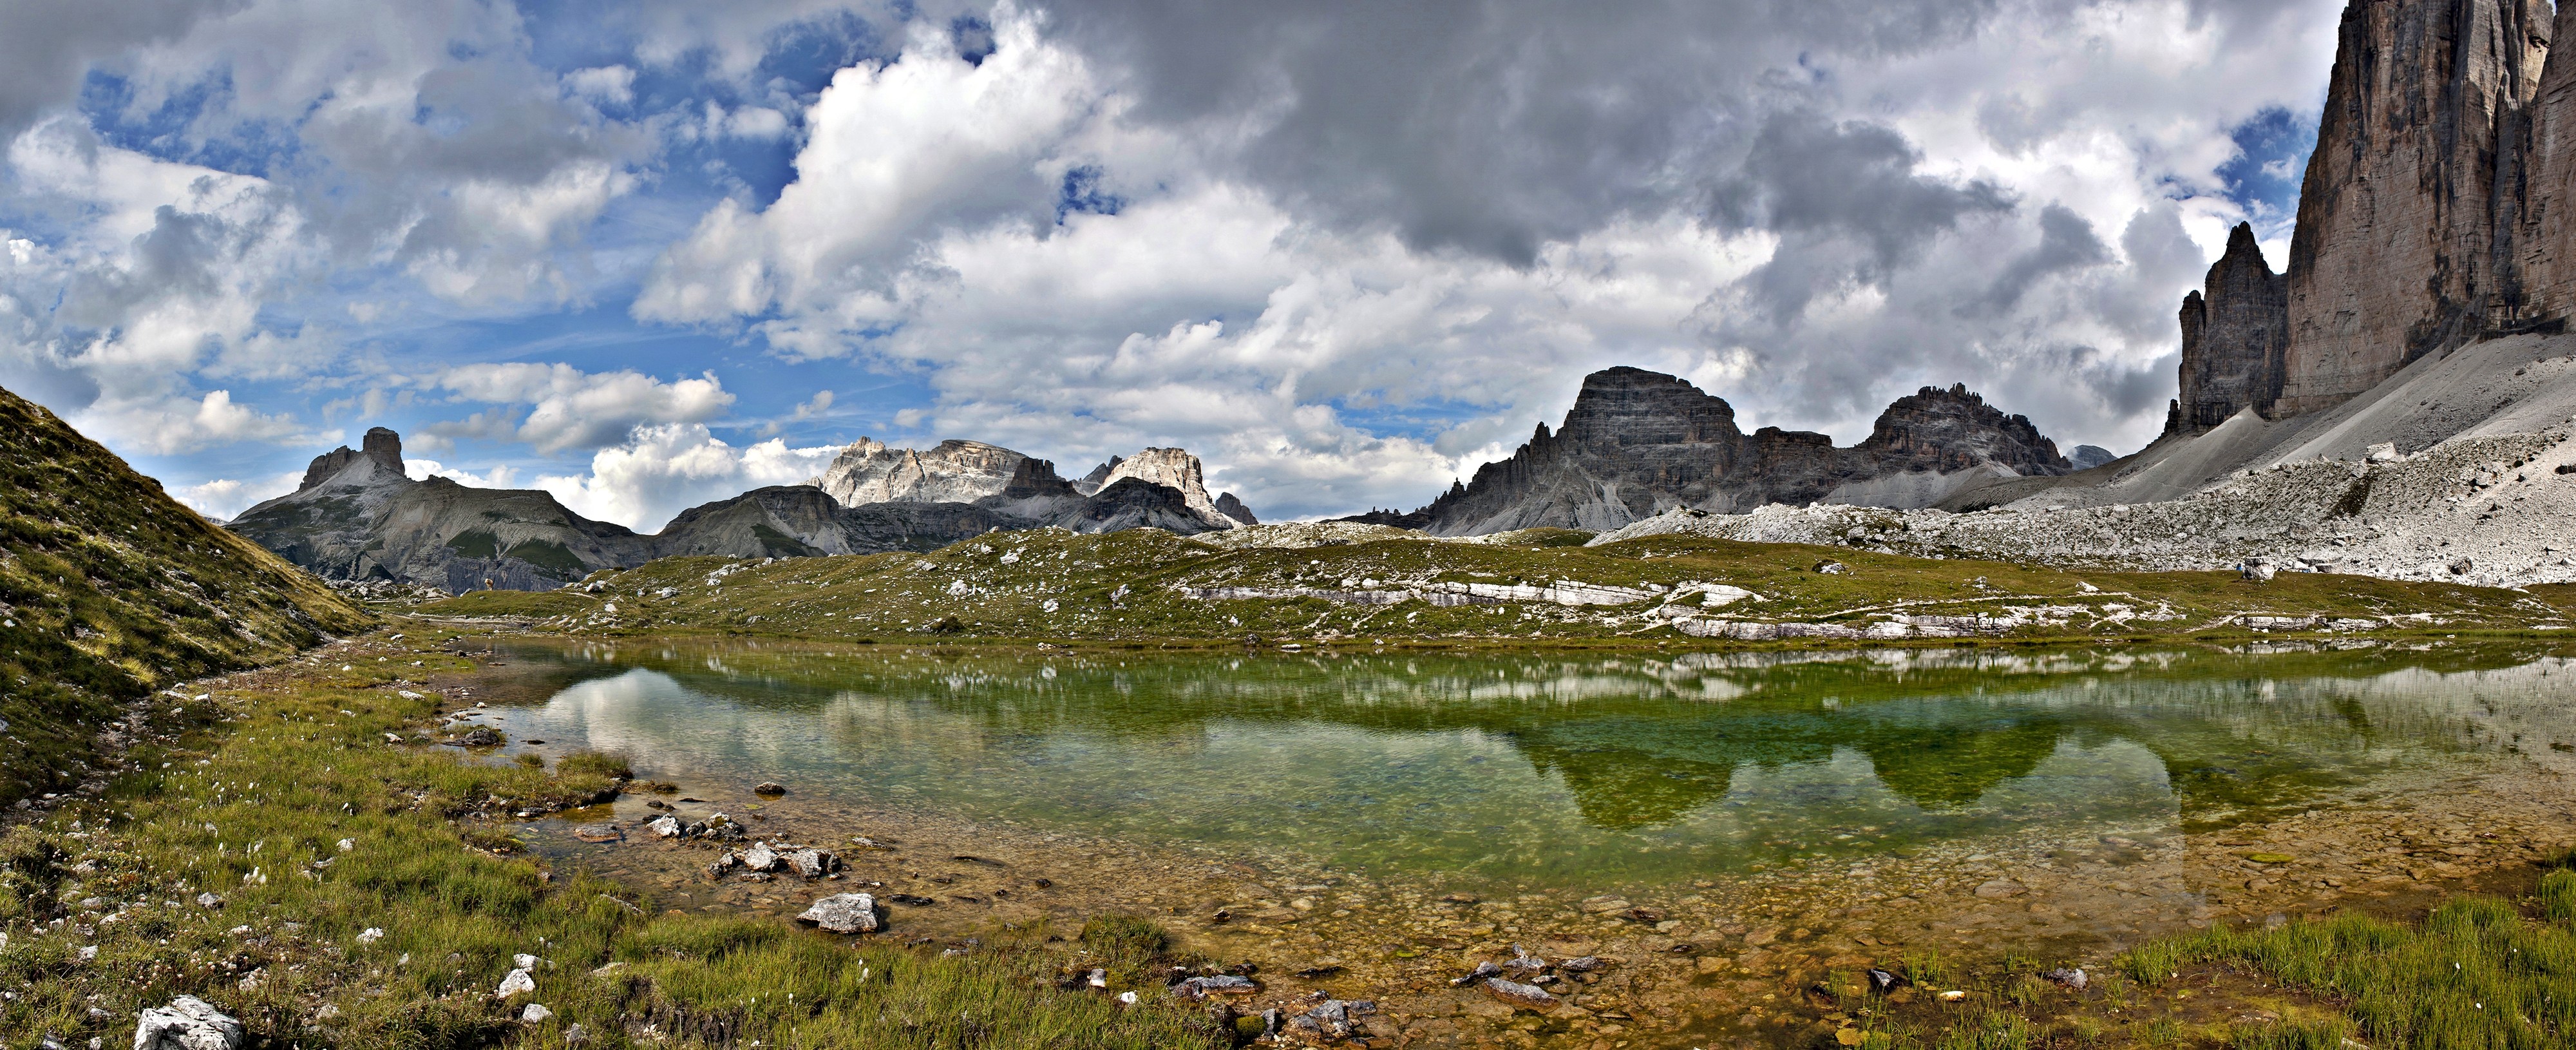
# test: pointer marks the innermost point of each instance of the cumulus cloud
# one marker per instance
(222, 498)
(666, 469)
(1341, 251)
(166, 426)
(569, 409)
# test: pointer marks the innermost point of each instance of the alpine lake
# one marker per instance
(1721, 829)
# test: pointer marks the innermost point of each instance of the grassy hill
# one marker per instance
(1048, 584)
(110, 589)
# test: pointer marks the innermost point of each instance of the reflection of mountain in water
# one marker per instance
(1951, 767)
(1640, 744)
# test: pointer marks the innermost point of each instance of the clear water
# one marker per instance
(1561, 770)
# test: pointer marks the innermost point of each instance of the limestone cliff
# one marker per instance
(2235, 338)
(954, 472)
(1637, 443)
(2546, 284)
(2402, 231)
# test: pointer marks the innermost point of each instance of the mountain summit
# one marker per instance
(1637, 443)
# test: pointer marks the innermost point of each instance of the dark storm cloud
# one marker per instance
(45, 45)
(1844, 198)
(2066, 242)
(1492, 127)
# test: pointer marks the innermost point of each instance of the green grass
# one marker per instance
(1127, 586)
(263, 783)
(110, 589)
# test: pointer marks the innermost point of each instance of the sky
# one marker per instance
(649, 254)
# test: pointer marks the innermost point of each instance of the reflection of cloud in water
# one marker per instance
(1436, 757)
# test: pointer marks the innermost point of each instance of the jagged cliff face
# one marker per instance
(2545, 289)
(2405, 244)
(1168, 467)
(954, 472)
(1638, 443)
(2235, 339)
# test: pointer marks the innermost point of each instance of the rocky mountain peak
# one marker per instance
(1955, 429)
(1632, 406)
(1091, 482)
(1169, 467)
(1637, 443)
(1231, 507)
(870, 471)
(2235, 338)
(380, 450)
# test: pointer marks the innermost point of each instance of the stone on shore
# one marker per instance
(843, 913)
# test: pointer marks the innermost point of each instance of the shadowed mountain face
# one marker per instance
(1637, 443)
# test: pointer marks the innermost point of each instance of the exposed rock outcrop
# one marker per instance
(1233, 508)
(953, 472)
(1171, 468)
(1637, 443)
(359, 517)
(1026, 492)
(2404, 245)
(2235, 338)
(1099, 476)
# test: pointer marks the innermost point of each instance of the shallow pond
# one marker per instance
(1563, 771)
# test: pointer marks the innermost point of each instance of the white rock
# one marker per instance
(188, 1023)
(370, 935)
(517, 983)
(664, 827)
(843, 913)
(524, 961)
(535, 1013)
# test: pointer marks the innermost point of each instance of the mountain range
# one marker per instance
(2424, 299)
(359, 516)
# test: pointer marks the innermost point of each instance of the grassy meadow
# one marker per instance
(280, 795)
(1054, 585)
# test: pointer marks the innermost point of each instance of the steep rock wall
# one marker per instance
(2402, 230)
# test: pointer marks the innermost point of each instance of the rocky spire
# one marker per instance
(2235, 338)
(2399, 229)
(380, 448)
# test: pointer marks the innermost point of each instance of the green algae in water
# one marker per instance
(1554, 770)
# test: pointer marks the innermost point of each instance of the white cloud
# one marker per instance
(895, 152)
(569, 409)
(607, 84)
(499, 477)
(666, 469)
(222, 498)
(168, 426)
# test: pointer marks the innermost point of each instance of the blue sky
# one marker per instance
(655, 254)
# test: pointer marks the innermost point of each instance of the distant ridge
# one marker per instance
(1637, 443)
(359, 516)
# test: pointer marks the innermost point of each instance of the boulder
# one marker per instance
(188, 1023)
(843, 913)
(760, 857)
(813, 863)
(1528, 996)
